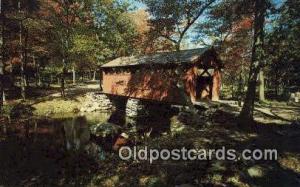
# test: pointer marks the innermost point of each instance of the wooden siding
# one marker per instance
(146, 84)
(160, 84)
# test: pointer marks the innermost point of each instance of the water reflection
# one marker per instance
(34, 153)
(77, 133)
(40, 144)
(60, 132)
(72, 131)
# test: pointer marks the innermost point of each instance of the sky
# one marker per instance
(135, 4)
(187, 42)
(139, 5)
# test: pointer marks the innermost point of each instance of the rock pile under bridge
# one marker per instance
(97, 102)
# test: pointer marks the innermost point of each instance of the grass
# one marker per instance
(57, 106)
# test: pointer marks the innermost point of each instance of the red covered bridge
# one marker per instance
(154, 76)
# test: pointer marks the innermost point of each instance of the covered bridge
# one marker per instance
(156, 76)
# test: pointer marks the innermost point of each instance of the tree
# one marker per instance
(235, 52)
(105, 33)
(172, 19)
(228, 27)
(25, 9)
(16, 13)
(36, 42)
(7, 25)
(284, 68)
(115, 29)
(64, 15)
(257, 59)
(146, 41)
(2, 18)
(261, 89)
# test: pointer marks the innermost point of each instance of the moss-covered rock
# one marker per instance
(105, 129)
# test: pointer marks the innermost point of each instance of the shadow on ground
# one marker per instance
(40, 160)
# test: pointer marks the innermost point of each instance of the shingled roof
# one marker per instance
(177, 57)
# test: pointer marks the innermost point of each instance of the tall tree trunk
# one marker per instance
(94, 75)
(101, 79)
(40, 79)
(261, 86)
(240, 90)
(65, 43)
(180, 83)
(26, 57)
(3, 96)
(74, 75)
(1, 86)
(177, 46)
(276, 87)
(1, 57)
(90, 74)
(62, 78)
(232, 91)
(23, 84)
(51, 79)
(246, 114)
(37, 72)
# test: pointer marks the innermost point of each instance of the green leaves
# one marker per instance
(114, 27)
(283, 45)
(89, 33)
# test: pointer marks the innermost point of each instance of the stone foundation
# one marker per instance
(97, 102)
(295, 97)
(131, 107)
(134, 107)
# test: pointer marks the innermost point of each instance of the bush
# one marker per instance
(6, 110)
(21, 110)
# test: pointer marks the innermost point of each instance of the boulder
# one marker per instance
(95, 151)
(112, 181)
(105, 130)
(256, 171)
(177, 127)
(151, 181)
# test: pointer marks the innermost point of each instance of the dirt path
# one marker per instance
(280, 114)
